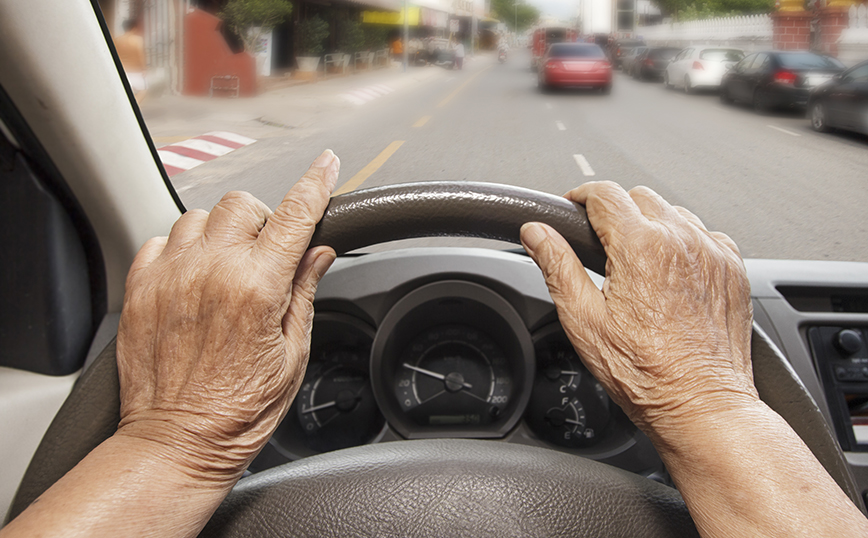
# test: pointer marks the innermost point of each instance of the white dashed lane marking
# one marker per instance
(783, 130)
(584, 165)
(561, 126)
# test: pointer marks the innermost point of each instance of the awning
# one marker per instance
(392, 17)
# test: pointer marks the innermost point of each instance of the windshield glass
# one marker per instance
(722, 55)
(234, 106)
(807, 60)
(564, 50)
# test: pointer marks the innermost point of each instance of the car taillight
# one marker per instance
(602, 66)
(698, 66)
(785, 77)
(649, 61)
(551, 65)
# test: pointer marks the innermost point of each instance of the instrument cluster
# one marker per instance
(455, 359)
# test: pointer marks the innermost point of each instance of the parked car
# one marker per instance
(700, 67)
(652, 62)
(629, 59)
(620, 48)
(575, 64)
(777, 79)
(841, 103)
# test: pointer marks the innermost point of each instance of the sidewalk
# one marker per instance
(172, 118)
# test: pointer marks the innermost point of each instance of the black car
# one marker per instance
(777, 79)
(620, 48)
(652, 62)
(842, 102)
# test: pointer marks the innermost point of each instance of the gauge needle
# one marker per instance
(435, 375)
(566, 372)
(318, 407)
(571, 421)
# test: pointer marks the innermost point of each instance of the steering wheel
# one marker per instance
(441, 487)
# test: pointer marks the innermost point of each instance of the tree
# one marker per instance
(311, 33)
(512, 12)
(351, 38)
(249, 19)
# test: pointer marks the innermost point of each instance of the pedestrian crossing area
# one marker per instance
(360, 96)
(186, 154)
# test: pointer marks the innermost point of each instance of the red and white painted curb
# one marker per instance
(360, 96)
(187, 154)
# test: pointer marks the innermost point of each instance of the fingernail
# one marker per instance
(325, 159)
(322, 262)
(332, 173)
(532, 234)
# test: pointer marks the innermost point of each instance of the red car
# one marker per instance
(575, 64)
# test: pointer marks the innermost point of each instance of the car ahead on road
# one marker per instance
(84, 189)
(629, 59)
(700, 67)
(777, 79)
(620, 48)
(651, 64)
(575, 65)
(841, 103)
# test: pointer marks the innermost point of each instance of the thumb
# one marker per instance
(581, 306)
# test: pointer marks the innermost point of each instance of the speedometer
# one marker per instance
(453, 375)
(452, 359)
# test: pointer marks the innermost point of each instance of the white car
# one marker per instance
(700, 67)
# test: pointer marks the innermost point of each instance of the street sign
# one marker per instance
(453, 26)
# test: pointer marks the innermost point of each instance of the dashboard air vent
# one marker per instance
(808, 299)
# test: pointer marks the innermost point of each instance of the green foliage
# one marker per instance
(686, 10)
(351, 38)
(508, 12)
(243, 15)
(311, 33)
(375, 37)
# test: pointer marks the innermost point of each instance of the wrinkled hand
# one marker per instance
(214, 335)
(669, 334)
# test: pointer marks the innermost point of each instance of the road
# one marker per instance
(776, 187)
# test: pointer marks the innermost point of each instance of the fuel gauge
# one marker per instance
(568, 407)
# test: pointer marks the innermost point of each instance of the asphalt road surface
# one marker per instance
(779, 189)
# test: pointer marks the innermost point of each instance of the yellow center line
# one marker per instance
(422, 121)
(371, 167)
(449, 97)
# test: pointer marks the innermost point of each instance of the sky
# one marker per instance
(557, 8)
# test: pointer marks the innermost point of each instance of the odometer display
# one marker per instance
(453, 375)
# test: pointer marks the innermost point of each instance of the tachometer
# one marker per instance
(335, 405)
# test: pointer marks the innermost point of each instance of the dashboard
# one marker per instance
(448, 343)
(465, 343)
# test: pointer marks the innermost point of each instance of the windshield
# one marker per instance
(722, 55)
(249, 110)
(807, 60)
(564, 50)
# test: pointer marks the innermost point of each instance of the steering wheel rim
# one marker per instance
(360, 482)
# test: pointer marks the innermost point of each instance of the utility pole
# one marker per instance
(405, 49)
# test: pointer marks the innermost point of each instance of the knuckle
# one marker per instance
(237, 197)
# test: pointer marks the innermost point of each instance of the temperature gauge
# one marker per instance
(568, 407)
